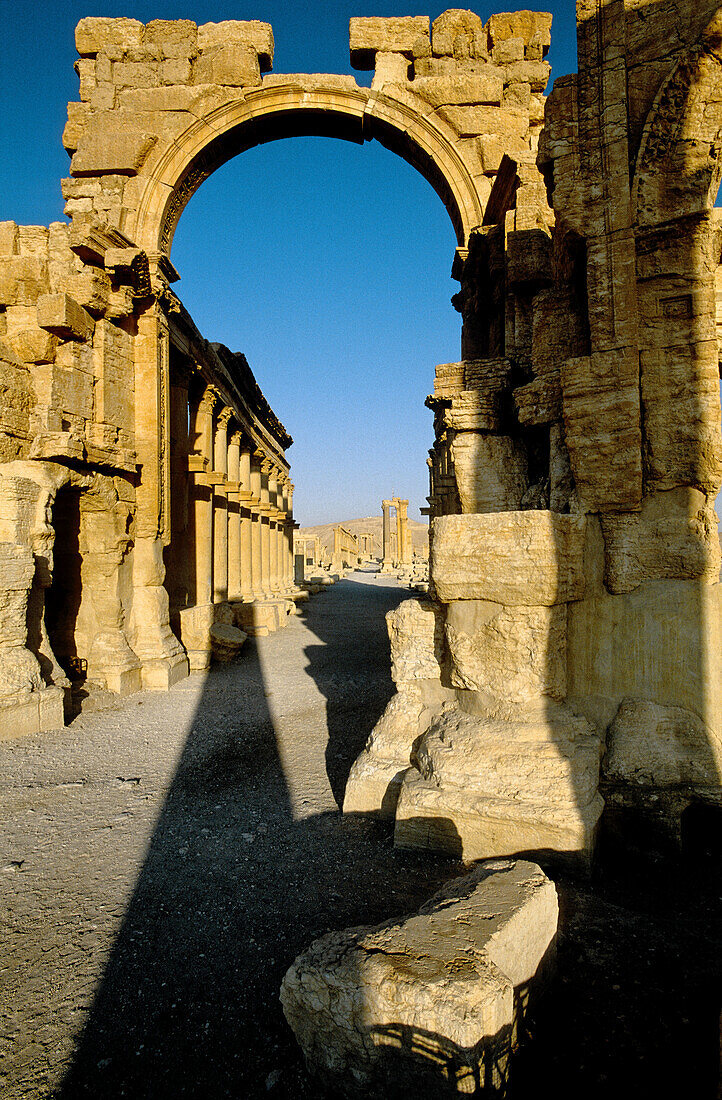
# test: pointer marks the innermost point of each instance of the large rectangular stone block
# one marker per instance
(369, 36)
(532, 558)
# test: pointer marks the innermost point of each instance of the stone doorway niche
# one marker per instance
(64, 595)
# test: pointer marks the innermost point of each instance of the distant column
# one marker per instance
(402, 531)
(202, 442)
(256, 534)
(220, 508)
(275, 534)
(244, 478)
(265, 532)
(234, 517)
(387, 562)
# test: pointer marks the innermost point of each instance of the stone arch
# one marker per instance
(676, 179)
(302, 108)
(679, 167)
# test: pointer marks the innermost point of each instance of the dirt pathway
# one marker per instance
(166, 859)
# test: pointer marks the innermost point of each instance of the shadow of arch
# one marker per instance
(303, 107)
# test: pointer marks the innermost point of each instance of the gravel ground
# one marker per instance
(165, 858)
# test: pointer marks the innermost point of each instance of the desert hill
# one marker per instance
(371, 524)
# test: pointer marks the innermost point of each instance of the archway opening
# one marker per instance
(64, 595)
(335, 263)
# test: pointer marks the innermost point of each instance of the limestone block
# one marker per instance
(18, 570)
(91, 289)
(259, 618)
(543, 754)
(416, 633)
(494, 148)
(22, 280)
(226, 641)
(540, 401)
(425, 1005)
(513, 558)
(40, 711)
(484, 89)
(505, 123)
(61, 314)
(490, 471)
(234, 64)
(8, 238)
(449, 379)
(391, 68)
(454, 820)
(657, 746)
(534, 73)
(529, 258)
(507, 50)
(243, 33)
(515, 653)
(476, 411)
(109, 151)
(680, 396)
(34, 345)
(458, 33)
(95, 34)
(173, 37)
(369, 36)
(528, 25)
(600, 401)
(175, 71)
(674, 535)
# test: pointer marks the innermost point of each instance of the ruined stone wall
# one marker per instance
(91, 475)
(574, 549)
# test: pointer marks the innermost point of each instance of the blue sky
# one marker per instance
(326, 263)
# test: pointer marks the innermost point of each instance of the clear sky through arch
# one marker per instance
(326, 263)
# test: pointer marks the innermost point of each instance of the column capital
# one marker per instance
(224, 416)
(236, 439)
(208, 400)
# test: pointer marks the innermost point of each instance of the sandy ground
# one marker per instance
(164, 859)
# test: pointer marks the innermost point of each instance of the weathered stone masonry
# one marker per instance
(571, 644)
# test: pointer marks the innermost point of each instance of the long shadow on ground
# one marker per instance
(233, 888)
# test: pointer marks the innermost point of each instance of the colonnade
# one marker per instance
(237, 554)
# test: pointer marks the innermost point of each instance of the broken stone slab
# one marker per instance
(226, 641)
(530, 558)
(430, 1004)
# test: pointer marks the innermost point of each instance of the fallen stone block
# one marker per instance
(428, 1005)
(226, 641)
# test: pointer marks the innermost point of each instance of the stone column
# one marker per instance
(256, 534)
(202, 440)
(402, 531)
(274, 579)
(386, 555)
(220, 508)
(244, 478)
(160, 653)
(235, 591)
